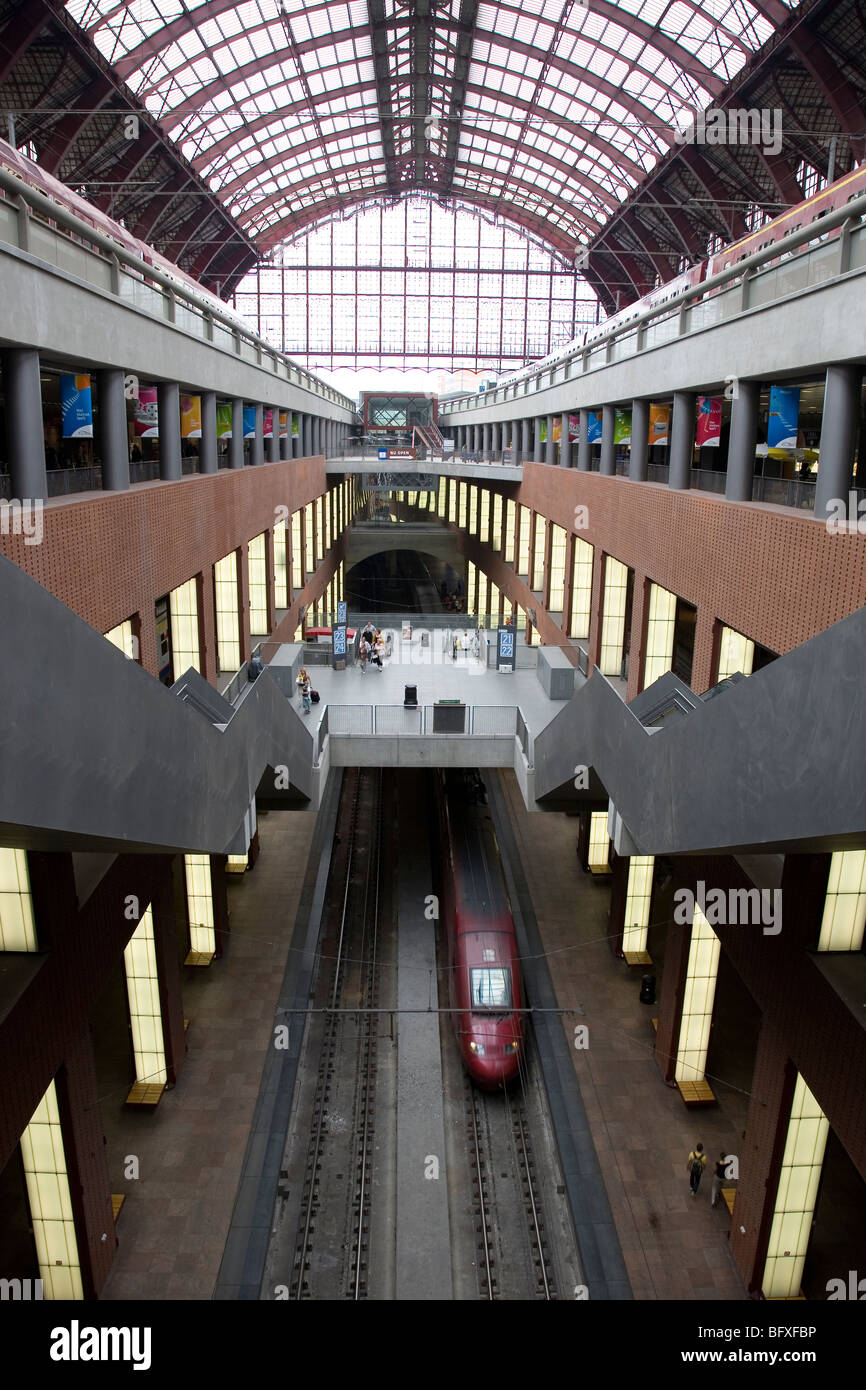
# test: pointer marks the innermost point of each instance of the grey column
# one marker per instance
(638, 450)
(549, 447)
(477, 446)
(485, 439)
(273, 449)
(536, 439)
(584, 448)
(317, 434)
(25, 433)
(840, 425)
(207, 446)
(236, 443)
(496, 438)
(307, 425)
(742, 440)
(607, 465)
(286, 444)
(524, 440)
(113, 433)
(257, 443)
(168, 405)
(564, 442)
(682, 440)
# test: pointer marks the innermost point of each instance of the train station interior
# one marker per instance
(433, 512)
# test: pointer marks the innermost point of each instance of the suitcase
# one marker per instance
(314, 696)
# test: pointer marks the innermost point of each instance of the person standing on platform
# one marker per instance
(363, 654)
(696, 1164)
(719, 1175)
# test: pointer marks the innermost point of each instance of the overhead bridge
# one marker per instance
(101, 756)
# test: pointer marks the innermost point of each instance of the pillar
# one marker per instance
(607, 466)
(207, 454)
(113, 433)
(639, 450)
(272, 446)
(25, 435)
(564, 441)
(550, 447)
(536, 441)
(839, 430)
(307, 448)
(236, 443)
(584, 448)
(486, 445)
(742, 440)
(477, 446)
(168, 405)
(682, 440)
(524, 440)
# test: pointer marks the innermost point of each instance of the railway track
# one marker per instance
(332, 1244)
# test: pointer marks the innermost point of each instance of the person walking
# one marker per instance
(697, 1160)
(363, 655)
(720, 1172)
(305, 685)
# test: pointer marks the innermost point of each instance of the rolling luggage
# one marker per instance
(314, 696)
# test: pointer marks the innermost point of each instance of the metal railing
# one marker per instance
(240, 679)
(523, 737)
(441, 720)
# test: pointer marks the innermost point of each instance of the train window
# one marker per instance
(491, 988)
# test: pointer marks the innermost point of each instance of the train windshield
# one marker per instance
(491, 988)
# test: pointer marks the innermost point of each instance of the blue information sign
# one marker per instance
(342, 613)
(340, 640)
(505, 649)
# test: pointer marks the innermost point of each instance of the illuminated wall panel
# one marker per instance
(557, 569)
(736, 653)
(481, 602)
(510, 523)
(452, 499)
(598, 855)
(44, 1156)
(494, 603)
(320, 528)
(796, 1195)
(661, 621)
(17, 927)
(199, 905)
(471, 587)
(700, 992)
(613, 617)
(845, 903)
(637, 903)
(523, 542)
(538, 556)
(145, 1010)
(281, 572)
(462, 504)
(122, 638)
(297, 551)
(258, 570)
(473, 510)
(496, 522)
(581, 588)
(226, 604)
(310, 537)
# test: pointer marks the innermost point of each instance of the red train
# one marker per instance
(483, 961)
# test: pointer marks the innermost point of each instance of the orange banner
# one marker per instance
(190, 417)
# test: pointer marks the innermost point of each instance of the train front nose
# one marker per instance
(493, 1063)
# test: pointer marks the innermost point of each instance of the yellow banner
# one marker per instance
(190, 417)
(659, 424)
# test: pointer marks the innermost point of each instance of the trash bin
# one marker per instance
(410, 697)
(648, 989)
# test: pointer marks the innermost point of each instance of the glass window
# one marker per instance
(491, 988)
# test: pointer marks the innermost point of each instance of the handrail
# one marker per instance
(208, 306)
(738, 271)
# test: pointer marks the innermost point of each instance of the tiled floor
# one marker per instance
(675, 1246)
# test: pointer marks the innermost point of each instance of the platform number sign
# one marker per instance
(342, 613)
(340, 640)
(505, 649)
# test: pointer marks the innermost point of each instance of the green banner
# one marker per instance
(622, 427)
(224, 420)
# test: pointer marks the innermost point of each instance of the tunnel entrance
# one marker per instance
(404, 581)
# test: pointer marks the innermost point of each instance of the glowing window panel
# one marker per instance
(320, 528)
(845, 903)
(17, 927)
(481, 601)
(471, 587)
(473, 510)
(523, 542)
(199, 906)
(452, 500)
(281, 570)
(462, 504)
(297, 552)
(736, 653)
(699, 996)
(613, 616)
(145, 1009)
(122, 637)
(796, 1195)
(327, 518)
(310, 539)
(557, 569)
(661, 620)
(496, 537)
(484, 516)
(442, 498)
(237, 863)
(183, 607)
(44, 1158)
(494, 604)
(581, 588)
(226, 602)
(637, 903)
(538, 555)
(598, 855)
(258, 571)
(510, 523)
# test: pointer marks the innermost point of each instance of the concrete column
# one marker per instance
(207, 447)
(286, 444)
(638, 452)
(682, 440)
(564, 442)
(536, 440)
(307, 449)
(524, 440)
(607, 465)
(584, 448)
(25, 434)
(477, 441)
(742, 440)
(168, 405)
(236, 443)
(273, 449)
(257, 443)
(549, 447)
(840, 426)
(113, 434)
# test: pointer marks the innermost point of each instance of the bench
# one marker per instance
(637, 957)
(146, 1093)
(696, 1092)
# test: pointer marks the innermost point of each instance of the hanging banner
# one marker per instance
(295, 424)
(249, 422)
(659, 424)
(146, 413)
(784, 419)
(557, 429)
(190, 417)
(574, 427)
(224, 420)
(709, 422)
(76, 405)
(267, 424)
(542, 430)
(622, 427)
(594, 429)
(284, 424)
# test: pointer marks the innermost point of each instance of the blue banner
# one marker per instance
(784, 417)
(593, 432)
(76, 406)
(249, 422)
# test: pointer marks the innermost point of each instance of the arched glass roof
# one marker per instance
(549, 112)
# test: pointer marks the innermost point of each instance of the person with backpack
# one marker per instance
(697, 1159)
